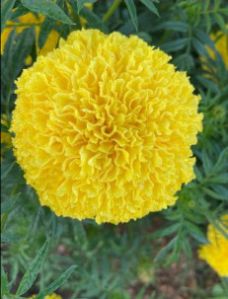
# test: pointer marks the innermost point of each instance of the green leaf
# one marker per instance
(172, 25)
(4, 283)
(93, 20)
(132, 12)
(196, 232)
(163, 232)
(175, 45)
(57, 283)
(219, 179)
(6, 11)
(215, 195)
(165, 250)
(46, 28)
(81, 4)
(207, 163)
(33, 270)
(47, 8)
(150, 5)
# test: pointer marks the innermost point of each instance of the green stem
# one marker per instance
(111, 10)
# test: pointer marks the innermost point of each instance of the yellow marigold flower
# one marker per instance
(104, 127)
(221, 44)
(30, 19)
(215, 253)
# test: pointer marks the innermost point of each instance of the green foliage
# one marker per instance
(109, 258)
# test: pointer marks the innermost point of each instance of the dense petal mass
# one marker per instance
(215, 253)
(103, 127)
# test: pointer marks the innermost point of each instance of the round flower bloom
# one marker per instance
(215, 253)
(221, 45)
(30, 20)
(104, 126)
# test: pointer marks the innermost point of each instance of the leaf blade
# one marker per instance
(132, 12)
(49, 9)
(33, 270)
(150, 5)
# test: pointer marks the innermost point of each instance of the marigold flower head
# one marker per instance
(30, 19)
(103, 127)
(215, 253)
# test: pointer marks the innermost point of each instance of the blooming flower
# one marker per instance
(215, 253)
(104, 126)
(29, 20)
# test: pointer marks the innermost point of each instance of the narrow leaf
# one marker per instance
(175, 45)
(4, 283)
(165, 250)
(33, 270)
(150, 5)
(6, 11)
(132, 12)
(47, 8)
(57, 283)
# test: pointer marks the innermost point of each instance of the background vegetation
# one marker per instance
(155, 257)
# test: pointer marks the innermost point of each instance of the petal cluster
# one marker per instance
(215, 253)
(104, 126)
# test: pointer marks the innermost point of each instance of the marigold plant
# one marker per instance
(104, 127)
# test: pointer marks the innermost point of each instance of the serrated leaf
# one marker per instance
(6, 11)
(132, 12)
(150, 5)
(57, 283)
(47, 8)
(32, 271)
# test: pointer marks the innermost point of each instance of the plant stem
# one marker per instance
(111, 10)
